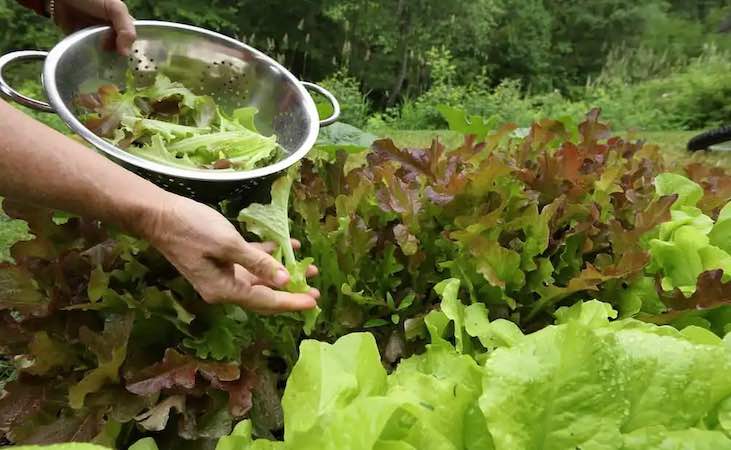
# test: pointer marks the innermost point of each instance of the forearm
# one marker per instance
(41, 166)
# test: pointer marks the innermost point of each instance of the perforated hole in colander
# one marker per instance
(234, 78)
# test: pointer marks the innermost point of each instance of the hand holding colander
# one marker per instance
(208, 63)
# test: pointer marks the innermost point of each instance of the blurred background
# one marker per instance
(657, 65)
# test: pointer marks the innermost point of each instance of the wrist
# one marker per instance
(143, 213)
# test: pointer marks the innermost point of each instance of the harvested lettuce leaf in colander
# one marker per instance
(169, 124)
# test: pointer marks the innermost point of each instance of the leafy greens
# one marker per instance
(582, 383)
(473, 270)
(167, 123)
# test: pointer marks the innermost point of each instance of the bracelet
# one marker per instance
(51, 9)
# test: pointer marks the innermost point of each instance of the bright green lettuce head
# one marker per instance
(592, 383)
(587, 382)
(690, 243)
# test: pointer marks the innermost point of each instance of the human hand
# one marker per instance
(219, 263)
(73, 15)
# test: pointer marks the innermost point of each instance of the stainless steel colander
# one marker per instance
(233, 73)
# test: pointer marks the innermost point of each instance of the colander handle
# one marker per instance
(7, 91)
(330, 97)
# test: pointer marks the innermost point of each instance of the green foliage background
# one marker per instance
(651, 65)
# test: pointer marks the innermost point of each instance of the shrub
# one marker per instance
(355, 106)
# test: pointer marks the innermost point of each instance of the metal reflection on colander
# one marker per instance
(208, 63)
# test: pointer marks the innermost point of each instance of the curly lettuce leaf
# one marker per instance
(227, 331)
(110, 349)
(156, 151)
(195, 132)
(167, 130)
(271, 223)
(110, 107)
(244, 149)
(163, 88)
(241, 119)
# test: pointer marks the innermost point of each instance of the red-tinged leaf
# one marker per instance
(591, 129)
(558, 174)
(206, 418)
(20, 292)
(113, 106)
(110, 349)
(89, 101)
(178, 370)
(239, 392)
(266, 412)
(104, 254)
(657, 212)
(450, 183)
(439, 198)
(541, 134)
(156, 418)
(83, 427)
(588, 280)
(629, 264)
(311, 187)
(441, 173)
(22, 399)
(396, 195)
(47, 354)
(716, 183)
(472, 148)
(408, 242)
(493, 140)
(569, 162)
(546, 131)
(489, 170)
(422, 162)
(14, 336)
(120, 404)
(711, 292)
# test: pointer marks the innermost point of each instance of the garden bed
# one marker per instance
(555, 287)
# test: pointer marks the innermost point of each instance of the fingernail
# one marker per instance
(281, 277)
(315, 293)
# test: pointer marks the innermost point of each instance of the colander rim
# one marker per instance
(54, 98)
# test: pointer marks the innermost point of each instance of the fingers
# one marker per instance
(312, 271)
(247, 278)
(123, 23)
(241, 290)
(259, 263)
(266, 300)
(270, 247)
